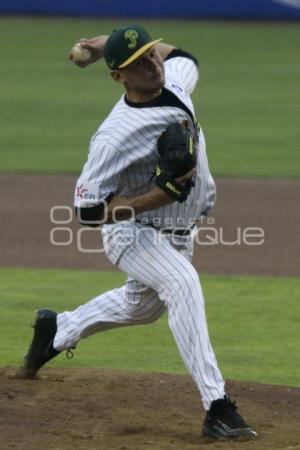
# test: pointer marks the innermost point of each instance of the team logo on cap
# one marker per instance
(132, 35)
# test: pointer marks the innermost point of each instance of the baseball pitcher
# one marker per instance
(146, 183)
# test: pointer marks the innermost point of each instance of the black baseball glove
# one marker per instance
(177, 156)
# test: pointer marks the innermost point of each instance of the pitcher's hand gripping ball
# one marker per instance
(79, 53)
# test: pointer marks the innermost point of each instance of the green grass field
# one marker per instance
(248, 100)
(253, 324)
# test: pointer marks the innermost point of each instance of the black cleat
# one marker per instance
(223, 421)
(41, 349)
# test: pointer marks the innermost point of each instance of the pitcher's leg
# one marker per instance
(128, 305)
(161, 267)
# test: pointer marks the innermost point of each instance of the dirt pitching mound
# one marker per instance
(102, 409)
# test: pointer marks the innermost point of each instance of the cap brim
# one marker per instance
(138, 53)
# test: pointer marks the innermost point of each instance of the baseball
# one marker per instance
(80, 54)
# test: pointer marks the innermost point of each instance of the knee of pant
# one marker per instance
(185, 280)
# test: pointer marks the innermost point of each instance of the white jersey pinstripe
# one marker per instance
(123, 156)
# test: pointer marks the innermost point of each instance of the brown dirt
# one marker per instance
(26, 200)
(100, 409)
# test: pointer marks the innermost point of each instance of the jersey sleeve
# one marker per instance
(100, 175)
(181, 65)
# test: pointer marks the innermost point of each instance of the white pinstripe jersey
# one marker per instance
(123, 155)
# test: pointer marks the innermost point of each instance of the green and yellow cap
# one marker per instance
(125, 45)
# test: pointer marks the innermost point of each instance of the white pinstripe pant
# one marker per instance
(160, 276)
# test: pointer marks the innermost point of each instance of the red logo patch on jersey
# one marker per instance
(80, 191)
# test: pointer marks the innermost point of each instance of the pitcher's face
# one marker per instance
(145, 74)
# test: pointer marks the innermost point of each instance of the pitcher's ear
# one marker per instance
(116, 75)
